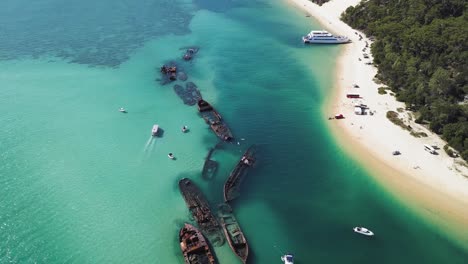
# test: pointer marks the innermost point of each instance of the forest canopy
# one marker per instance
(421, 54)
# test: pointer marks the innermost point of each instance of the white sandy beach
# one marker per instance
(435, 184)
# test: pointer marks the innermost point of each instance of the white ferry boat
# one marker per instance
(323, 37)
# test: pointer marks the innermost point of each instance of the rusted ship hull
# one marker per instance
(168, 73)
(214, 119)
(200, 210)
(232, 184)
(232, 231)
(194, 246)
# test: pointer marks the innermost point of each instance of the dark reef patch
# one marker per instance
(102, 33)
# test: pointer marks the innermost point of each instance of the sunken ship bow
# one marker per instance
(234, 235)
(201, 212)
(194, 246)
(214, 119)
(232, 184)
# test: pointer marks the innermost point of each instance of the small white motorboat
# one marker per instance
(184, 129)
(363, 231)
(122, 110)
(154, 131)
(170, 155)
(287, 259)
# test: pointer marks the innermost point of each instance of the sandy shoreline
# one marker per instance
(436, 185)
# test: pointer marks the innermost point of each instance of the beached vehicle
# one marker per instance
(323, 37)
(232, 184)
(363, 231)
(213, 118)
(233, 232)
(287, 259)
(352, 95)
(194, 246)
(155, 130)
(429, 149)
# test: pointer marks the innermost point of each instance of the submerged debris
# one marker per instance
(190, 94)
(169, 73)
(190, 53)
(210, 167)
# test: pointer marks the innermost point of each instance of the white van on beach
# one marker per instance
(430, 149)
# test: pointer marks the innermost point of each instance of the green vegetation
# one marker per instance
(418, 134)
(421, 54)
(382, 90)
(393, 116)
(450, 152)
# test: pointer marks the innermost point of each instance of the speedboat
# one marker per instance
(184, 129)
(363, 231)
(170, 155)
(122, 110)
(287, 259)
(154, 131)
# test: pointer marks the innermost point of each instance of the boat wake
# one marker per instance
(149, 145)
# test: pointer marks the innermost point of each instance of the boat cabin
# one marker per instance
(155, 130)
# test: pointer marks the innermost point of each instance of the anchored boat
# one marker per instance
(232, 184)
(213, 118)
(323, 37)
(233, 232)
(200, 209)
(194, 246)
(363, 231)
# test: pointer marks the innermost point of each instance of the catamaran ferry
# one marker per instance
(323, 37)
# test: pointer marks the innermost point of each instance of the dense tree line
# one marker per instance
(421, 54)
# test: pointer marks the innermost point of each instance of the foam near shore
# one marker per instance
(435, 184)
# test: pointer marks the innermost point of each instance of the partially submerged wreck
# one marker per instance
(233, 232)
(200, 210)
(232, 184)
(213, 118)
(194, 246)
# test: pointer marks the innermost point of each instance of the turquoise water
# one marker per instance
(82, 183)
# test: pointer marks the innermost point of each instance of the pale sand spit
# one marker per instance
(436, 185)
